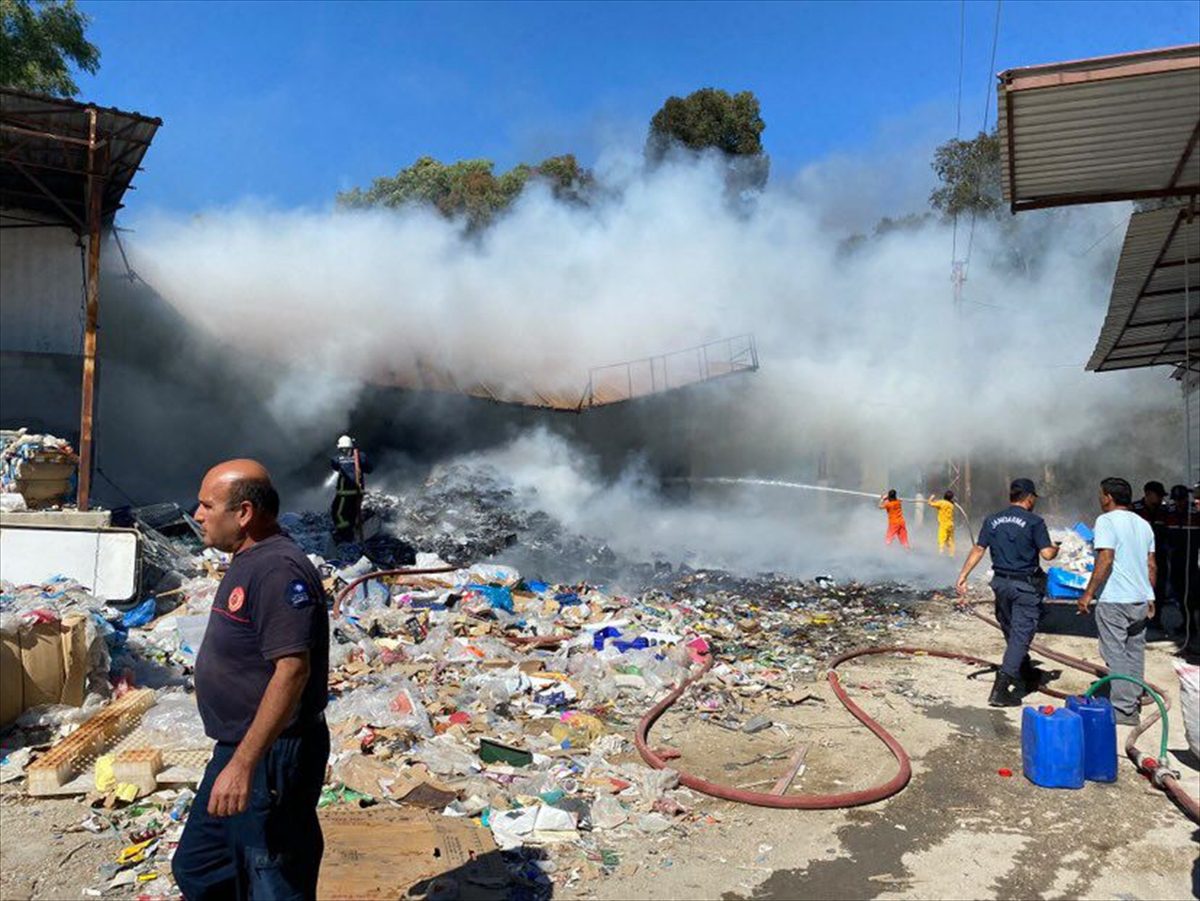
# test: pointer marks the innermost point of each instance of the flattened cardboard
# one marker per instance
(382, 852)
(41, 664)
(75, 659)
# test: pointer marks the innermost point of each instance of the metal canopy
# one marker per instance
(1096, 130)
(1154, 312)
(45, 147)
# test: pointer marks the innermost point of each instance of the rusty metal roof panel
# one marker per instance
(1154, 310)
(1114, 128)
(44, 144)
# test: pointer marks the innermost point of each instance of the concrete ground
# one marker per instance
(959, 830)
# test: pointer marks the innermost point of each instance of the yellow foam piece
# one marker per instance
(105, 779)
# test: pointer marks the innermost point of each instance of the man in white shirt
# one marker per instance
(1124, 576)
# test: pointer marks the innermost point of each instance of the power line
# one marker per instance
(962, 43)
(987, 107)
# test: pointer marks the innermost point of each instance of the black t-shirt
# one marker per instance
(1014, 536)
(271, 603)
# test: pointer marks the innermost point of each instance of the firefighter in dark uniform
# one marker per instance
(1017, 537)
(262, 678)
(351, 466)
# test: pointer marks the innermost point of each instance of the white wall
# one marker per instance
(41, 289)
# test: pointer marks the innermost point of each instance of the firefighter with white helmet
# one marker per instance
(351, 466)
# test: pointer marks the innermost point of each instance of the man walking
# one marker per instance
(262, 675)
(1016, 537)
(351, 466)
(945, 509)
(1124, 577)
(896, 527)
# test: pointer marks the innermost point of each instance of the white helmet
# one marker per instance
(345, 443)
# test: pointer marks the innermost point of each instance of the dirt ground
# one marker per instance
(958, 830)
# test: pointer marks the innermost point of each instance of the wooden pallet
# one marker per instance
(49, 773)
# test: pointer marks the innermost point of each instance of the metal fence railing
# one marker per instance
(618, 382)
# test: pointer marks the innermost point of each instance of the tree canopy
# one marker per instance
(711, 118)
(969, 175)
(40, 41)
(469, 188)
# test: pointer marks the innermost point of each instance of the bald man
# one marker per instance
(262, 676)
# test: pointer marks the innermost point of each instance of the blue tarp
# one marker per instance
(1061, 583)
(499, 598)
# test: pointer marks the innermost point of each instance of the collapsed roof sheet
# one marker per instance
(1154, 311)
(1096, 130)
(606, 385)
(44, 151)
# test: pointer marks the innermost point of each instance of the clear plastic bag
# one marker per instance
(395, 702)
(173, 723)
(446, 757)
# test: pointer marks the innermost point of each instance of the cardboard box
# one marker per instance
(43, 663)
(10, 678)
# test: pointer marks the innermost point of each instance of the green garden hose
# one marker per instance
(1162, 708)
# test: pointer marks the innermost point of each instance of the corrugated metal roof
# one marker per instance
(1114, 128)
(44, 144)
(1155, 307)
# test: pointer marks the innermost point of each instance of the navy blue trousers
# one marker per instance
(1019, 612)
(270, 852)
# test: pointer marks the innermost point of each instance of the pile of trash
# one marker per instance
(482, 695)
(35, 470)
(1068, 577)
(469, 512)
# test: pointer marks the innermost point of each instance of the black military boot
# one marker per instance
(1006, 692)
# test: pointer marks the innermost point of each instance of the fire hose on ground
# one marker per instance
(1155, 769)
(379, 574)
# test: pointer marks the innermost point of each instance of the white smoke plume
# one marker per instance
(862, 348)
(863, 353)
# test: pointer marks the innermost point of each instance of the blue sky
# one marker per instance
(287, 103)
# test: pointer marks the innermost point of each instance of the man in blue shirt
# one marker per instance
(1124, 577)
(1017, 538)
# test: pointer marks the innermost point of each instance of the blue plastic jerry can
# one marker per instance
(1052, 747)
(1099, 737)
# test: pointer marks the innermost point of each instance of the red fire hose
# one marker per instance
(805, 802)
(345, 592)
(1152, 768)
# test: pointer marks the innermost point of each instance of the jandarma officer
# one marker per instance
(1017, 537)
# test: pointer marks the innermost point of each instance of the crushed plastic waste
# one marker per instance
(489, 693)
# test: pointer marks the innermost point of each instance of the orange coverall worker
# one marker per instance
(896, 525)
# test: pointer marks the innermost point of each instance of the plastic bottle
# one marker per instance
(180, 808)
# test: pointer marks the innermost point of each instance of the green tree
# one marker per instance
(40, 41)
(969, 176)
(469, 189)
(713, 119)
